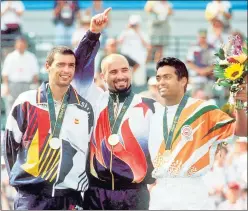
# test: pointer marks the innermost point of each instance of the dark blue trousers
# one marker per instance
(30, 201)
(98, 198)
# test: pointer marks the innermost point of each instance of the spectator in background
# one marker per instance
(201, 94)
(152, 91)
(111, 47)
(216, 35)
(135, 44)
(238, 162)
(200, 63)
(11, 12)
(159, 27)
(65, 13)
(97, 8)
(83, 26)
(216, 179)
(232, 201)
(237, 170)
(221, 10)
(20, 70)
(243, 197)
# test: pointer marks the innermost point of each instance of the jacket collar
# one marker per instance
(122, 95)
(42, 94)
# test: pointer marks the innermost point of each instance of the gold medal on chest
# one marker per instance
(113, 139)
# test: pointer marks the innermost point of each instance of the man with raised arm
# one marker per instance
(119, 161)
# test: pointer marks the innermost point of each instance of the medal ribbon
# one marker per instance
(56, 124)
(168, 138)
(115, 123)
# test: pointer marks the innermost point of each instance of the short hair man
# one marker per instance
(46, 140)
(184, 136)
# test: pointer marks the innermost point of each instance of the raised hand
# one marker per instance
(99, 21)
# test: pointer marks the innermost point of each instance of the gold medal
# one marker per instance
(113, 139)
(55, 143)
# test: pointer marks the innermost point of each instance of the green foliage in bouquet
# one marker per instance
(232, 65)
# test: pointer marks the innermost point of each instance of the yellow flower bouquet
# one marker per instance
(232, 66)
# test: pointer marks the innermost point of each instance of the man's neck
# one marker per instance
(173, 100)
(217, 32)
(121, 94)
(21, 52)
(58, 92)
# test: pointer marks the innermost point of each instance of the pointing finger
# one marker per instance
(106, 12)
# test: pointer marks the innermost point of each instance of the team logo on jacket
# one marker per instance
(187, 132)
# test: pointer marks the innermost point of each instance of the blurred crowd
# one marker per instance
(20, 71)
(227, 180)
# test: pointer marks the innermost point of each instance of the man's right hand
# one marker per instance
(99, 21)
(242, 94)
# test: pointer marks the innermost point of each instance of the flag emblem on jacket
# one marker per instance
(76, 121)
